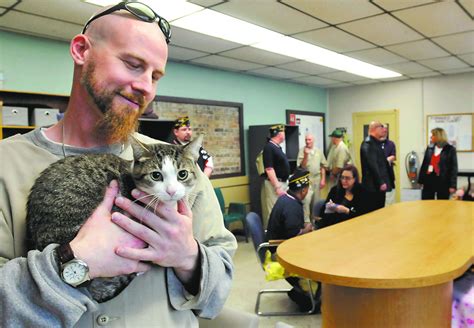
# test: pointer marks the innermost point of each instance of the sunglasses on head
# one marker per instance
(139, 10)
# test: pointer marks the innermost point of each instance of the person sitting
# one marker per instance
(287, 221)
(345, 201)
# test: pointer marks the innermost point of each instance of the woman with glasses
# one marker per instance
(345, 200)
(439, 170)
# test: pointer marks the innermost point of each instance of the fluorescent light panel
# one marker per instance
(205, 21)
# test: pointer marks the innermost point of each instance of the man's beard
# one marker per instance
(117, 122)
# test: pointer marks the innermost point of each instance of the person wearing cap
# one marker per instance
(277, 170)
(338, 157)
(183, 134)
(287, 221)
(375, 168)
(312, 159)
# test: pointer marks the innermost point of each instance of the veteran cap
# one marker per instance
(182, 121)
(299, 180)
(336, 133)
(275, 129)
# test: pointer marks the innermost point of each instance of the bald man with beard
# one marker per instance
(182, 255)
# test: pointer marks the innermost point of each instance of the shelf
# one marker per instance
(31, 127)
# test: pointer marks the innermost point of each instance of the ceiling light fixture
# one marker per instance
(183, 14)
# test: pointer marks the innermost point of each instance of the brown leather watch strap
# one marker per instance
(65, 253)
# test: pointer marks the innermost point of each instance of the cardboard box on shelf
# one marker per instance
(17, 116)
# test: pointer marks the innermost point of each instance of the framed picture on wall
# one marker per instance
(309, 122)
(220, 122)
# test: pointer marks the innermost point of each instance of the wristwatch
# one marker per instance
(73, 271)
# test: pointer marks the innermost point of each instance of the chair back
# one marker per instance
(255, 228)
(220, 198)
(317, 207)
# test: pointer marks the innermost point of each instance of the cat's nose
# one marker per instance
(171, 191)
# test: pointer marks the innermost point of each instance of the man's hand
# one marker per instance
(322, 184)
(452, 190)
(308, 227)
(167, 231)
(279, 191)
(98, 239)
(383, 187)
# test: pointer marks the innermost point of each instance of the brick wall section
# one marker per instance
(220, 126)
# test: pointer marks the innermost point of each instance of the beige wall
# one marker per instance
(415, 99)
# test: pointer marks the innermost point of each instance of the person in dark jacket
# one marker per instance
(375, 168)
(439, 170)
(345, 201)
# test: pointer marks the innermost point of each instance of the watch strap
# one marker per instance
(65, 253)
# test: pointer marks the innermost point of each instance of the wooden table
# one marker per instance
(393, 267)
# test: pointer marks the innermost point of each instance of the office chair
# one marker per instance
(235, 212)
(255, 228)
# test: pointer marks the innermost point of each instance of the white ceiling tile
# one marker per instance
(205, 3)
(376, 56)
(74, 12)
(335, 12)
(276, 72)
(390, 5)
(458, 70)
(315, 80)
(270, 14)
(338, 85)
(365, 81)
(415, 50)
(341, 76)
(407, 68)
(460, 43)
(439, 18)
(8, 3)
(201, 42)
(468, 58)
(382, 30)
(426, 74)
(445, 63)
(39, 26)
(468, 5)
(393, 79)
(257, 56)
(306, 67)
(178, 53)
(334, 39)
(227, 63)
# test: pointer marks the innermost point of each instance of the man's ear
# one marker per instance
(78, 48)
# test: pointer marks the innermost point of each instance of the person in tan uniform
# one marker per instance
(338, 157)
(312, 159)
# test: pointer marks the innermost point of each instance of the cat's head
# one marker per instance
(168, 172)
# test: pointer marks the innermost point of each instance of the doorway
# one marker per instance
(360, 123)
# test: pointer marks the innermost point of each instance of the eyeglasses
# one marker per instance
(344, 177)
(139, 10)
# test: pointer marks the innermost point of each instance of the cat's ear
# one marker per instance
(140, 150)
(194, 146)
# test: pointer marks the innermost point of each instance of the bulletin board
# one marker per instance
(308, 122)
(459, 129)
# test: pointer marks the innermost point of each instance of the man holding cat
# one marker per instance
(183, 257)
(183, 133)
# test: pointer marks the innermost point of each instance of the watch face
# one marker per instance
(75, 272)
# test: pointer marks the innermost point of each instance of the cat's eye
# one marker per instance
(182, 175)
(156, 176)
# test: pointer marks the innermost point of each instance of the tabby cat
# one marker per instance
(67, 192)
